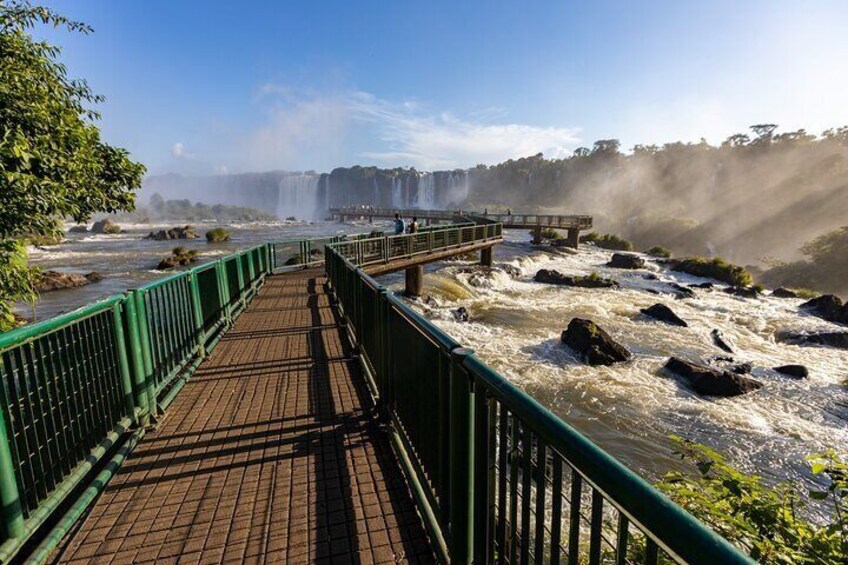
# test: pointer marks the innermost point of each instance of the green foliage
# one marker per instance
(52, 162)
(551, 233)
(825, 269)
(185, 210)
(765, 520)
(217, 235)
(111, 229)
(15, 280)
(659, 251)
(715, 268)
(607, 241)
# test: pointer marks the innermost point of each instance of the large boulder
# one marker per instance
(681, 291)
(743, 291)
(783, 292)
(461, 314)
(838, 340)
(665, 314)
(720, 341)
(594, 345)
(712, 382)
(184, 232)
(105, 226)
(829, 307)
(626, 261)
(54, 280)
(794, 371)
(79, 228)
(550, 276)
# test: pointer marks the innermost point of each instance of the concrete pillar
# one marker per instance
(427, 222)
(341, 218)
(573, 237)
(537, 235)
(486, 256)
(414, 280)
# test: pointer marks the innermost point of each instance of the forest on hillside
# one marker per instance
(756, 196)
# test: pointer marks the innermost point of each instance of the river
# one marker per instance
(629, 409)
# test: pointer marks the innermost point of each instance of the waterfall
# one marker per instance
(457, 187)
(397, 193)
(376, 201)
(427, 192)
(298, 197)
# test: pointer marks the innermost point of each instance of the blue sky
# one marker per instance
(202, 87)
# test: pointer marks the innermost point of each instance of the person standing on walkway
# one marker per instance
(398, 225)
(413, 225)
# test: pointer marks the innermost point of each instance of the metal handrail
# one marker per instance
(486, 460)
(563, 221)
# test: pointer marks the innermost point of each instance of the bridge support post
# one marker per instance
(414, 280)
(342, 218)
(573, 237)
(461, 416)
(486, 256)
(537, 235)
(427, 222)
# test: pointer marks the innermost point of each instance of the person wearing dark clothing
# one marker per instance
(398, 225)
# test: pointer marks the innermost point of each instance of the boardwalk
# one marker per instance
(271, 453)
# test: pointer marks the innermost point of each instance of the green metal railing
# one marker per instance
(498, 477)
(72, 387)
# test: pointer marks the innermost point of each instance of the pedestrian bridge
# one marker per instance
(572, 224)
(281, 405)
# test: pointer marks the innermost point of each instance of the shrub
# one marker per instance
(764, 520)
(607, 241)
(217, 235)
(716, 268)
(548, 233)
(111, 229)
(659, 251)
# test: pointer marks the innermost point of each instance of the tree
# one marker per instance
(53, 163)
(764, 131)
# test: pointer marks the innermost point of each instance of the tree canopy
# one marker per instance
(53, 163)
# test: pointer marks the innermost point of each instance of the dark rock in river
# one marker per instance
(742, 368)
(54, 280)
(461, 314)
(105, 226)
(665, 314)
(589, 281)
(703, 285)
(511, 270)
(681, 291)
(839, 340)
(829, 307)
(743, 291)
(712, 382)
(794, 371)
(80, 228)
(650, 277)
(593, 344)
(184, 232)
(782, 292)
(626, 261)
(720, 341)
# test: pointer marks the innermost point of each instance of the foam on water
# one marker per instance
(631, 408)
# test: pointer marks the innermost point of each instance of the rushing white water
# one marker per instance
(426, 191)
(631, 409)
(397, 193)
(458, 188)
(298, 197)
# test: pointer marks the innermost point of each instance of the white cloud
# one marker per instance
(178, 150)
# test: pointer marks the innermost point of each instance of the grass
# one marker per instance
(217, 235)
(659, 251)
(716, 268)
(607, 241)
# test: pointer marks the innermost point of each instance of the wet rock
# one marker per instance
(743, 291)
(105, 226)
(794, 371)
(828, 307)
(782, 292)
(430, 301)
(703, 285)
(184, 232)
(720, 341)
(681, 291)
(594, 345)
(180, 257)
(81, 228)
(461, 314)
(626, 261)
(511, 270)
(589, 281)
(712, 382)
(838, 340)
(650, 277)
(730, 364)
(54, 280)
(665, 314)
(742, 368)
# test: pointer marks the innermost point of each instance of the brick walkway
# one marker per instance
(269, 454)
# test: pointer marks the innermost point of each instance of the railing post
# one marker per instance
(461, 458)
(484, 475)
(137, 357)
(197, 313)
(11, 511)
(223, 289)
(123, 361)
(147, 354)
(241, 287)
